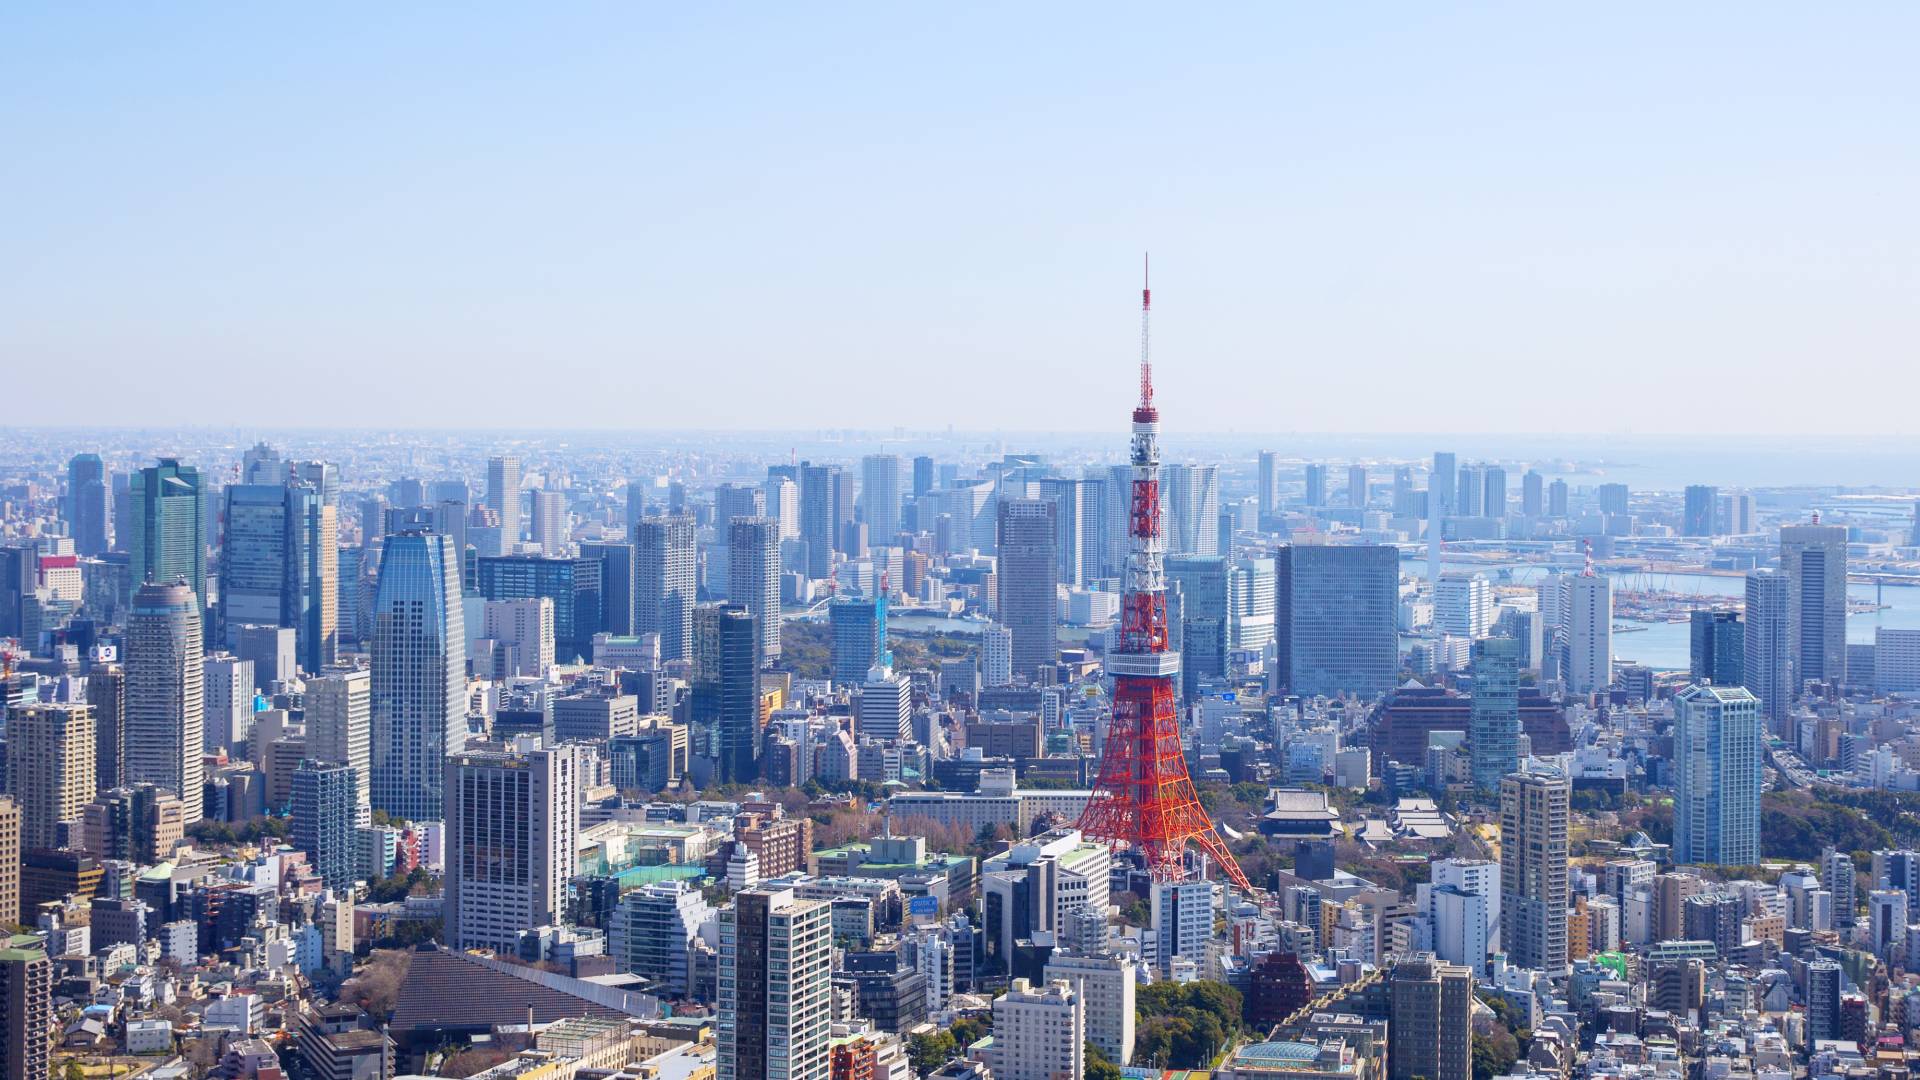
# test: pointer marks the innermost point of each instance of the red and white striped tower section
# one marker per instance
(1144, 797)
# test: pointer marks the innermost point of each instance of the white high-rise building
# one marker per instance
(523, 632)
(1766, 648)
(1590, 635)
(1191, 500)
(880, 496)
(996, 655)
(753, 576)
(503, 495)
(653, 932)
(552, 527)
(1896, 661)
(163, 723)
(229, 694)
(1251, 600)
(886, 706)
(1106, 986)
(1182, 923)
(783, 505)
(1463, 605)
(512, 824)
(340, 730)
(776, 977)
(1460, 911)
(1039, 1033)
(1718, 755)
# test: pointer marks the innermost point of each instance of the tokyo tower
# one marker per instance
(1144, 797)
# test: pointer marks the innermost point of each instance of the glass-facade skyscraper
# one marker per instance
(1493, 737)
(664, 579)
(1338, 622)
(168, 540)
(86, 507)
(419, 674)
(278, 566)
(1717, 747)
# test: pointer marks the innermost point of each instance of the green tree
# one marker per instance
(1494, 1055)
(1098, 1065)
(930, 1050)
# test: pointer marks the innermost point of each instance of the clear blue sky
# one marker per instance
(1630, 217)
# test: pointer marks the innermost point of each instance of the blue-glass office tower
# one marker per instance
(1338, 624)
(1718, 736)
(419, 674)
(572, 584)
(278, 567)
(616, 584)
(168, 540)
(859, 637)
(1204, 617)
(726, 689)
(325, 801)
(1718, 647)
(86, 507)
(1493, 735)
(824, 510)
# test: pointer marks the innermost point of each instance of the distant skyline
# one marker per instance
(1497, 221)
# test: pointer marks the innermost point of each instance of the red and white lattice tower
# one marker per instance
(1143, 797)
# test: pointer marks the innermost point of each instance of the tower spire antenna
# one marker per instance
(1146, 316)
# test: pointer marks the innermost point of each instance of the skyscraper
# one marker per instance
(1557, 498)
(1336, 621)
(1824, 982)
(1204, 617)
(1494, 488)
(753, 548)
(1357, 486)
(1316, 484)
(279, 566)
(1701, 503)
(168, 540)
(1039, 1032)
(1430, 1020)
(326, 801)
(165, 704)
(726, 688)
(1718, 746)
(617, 578)
(86, 505)
(27, 1019)
(552, 525)
(1590, 634)
(775, 978)
(513, 821)
(419, 676)
(1028, 582)
(503, 495)
(1494, 738)
(1533, 498)
(880, 496)
(886, 706)
(1766, 666)
(821, 518)
(1534, 818)
(340, 730)
(1076, 509)
(572, 584)
(859, 637)
(664, 581)
(50, 768)
(1263, 492)
(1814, 559)
(1252, 587)
(107, 701)
(1716, 648)
(996, 655)
(922, 476)
(1191, 494)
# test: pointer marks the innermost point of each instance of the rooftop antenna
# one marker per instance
(1588, 543)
